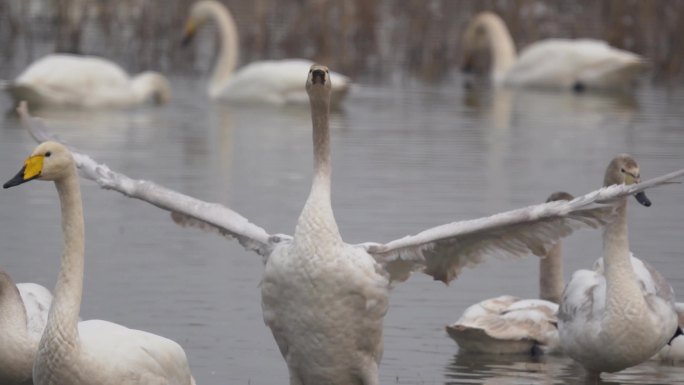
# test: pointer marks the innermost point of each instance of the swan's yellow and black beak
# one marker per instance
(31, 170)
(641, 197)
(318, 76)
(189, 32)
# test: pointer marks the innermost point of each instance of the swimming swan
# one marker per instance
(324, 299)
(551, 63)
(622, 312)
(510, 325)
(91, 352)
(23, 315)
(275, 82)
(63, 80)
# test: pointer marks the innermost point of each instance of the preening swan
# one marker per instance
(90, 352)
(510, 325)
(62, 80)
(622, 312)
(324, 299)
(23, 315)
(275, 82)
(551, 63)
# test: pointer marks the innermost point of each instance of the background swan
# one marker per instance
(63, 80)
(90, 352)
(551, 63)
(23, 315)
(270, 81)
(622, 312)
(510, 325)
(324, 299)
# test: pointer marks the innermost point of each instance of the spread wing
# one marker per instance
(185, 210)
(443, 251)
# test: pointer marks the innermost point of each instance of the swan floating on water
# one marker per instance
(622, 312)
(510, 325)
(64, 80)
(93, 352)
(276, 82)
(23, 316)
(552, 63)
(324, 299)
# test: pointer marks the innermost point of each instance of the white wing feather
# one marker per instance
(37, 300)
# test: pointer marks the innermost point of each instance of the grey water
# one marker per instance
(405, 158)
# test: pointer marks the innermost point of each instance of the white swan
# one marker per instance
(90, 352)
(275, 82)
(23, 315)
(622, 312)
(64, 80)
(551, 63)
(324, 299)
(510, 325)
(673, 352)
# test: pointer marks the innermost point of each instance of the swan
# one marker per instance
(23, 315)
(552, 63)
(276, 82)
(65, 80)
(673, 352)
(622, 312)
(91, 352)
(325, 299)
(510, 325)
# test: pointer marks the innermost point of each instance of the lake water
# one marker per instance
(405, 159)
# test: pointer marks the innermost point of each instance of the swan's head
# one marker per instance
(200, 12)
(49, 161)
(318, 83)
(487, 32)
(623, 169)
(560, 196)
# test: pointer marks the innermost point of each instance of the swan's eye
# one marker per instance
(47, 154)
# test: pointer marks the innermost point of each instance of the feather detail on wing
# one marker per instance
(443, 251)
(186, 210)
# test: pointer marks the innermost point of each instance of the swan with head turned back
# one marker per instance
(64, 80)
(552, 63)
(510, 325)
(276, 82)
(23, 315)
(325, 299)
(622, 312)
(91, 352)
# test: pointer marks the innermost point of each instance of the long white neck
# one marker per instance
(551, 283)
(317, 215)
(229, 46)
(62, 330)
(501, 46)
(622, 288)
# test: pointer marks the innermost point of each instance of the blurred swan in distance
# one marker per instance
(325, 299)
(95, 351)
(23, 315)
(276, 82)
(622, 312)
(510, 325)
(65, 80)
(566, 64)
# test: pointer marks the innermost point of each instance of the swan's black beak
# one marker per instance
(318, 77)
(643, 199)
(18, 179)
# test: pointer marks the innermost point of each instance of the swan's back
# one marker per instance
(37, 300)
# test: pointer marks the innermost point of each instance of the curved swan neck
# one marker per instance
(551, 283)
(501, 46)
(66, 305)
(229, 45)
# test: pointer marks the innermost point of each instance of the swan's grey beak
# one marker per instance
(18, 179)
(643, 199)
(318, 77)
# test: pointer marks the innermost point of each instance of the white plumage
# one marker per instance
(63, 80)
(673, 352)
(551, 63)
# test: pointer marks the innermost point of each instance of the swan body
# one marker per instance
(622, 312)
(325, 299)
(552, 63)
(673, 352)
(64, 80)
(90, 352)
(510, 325)
(23, 315)
(276, 82)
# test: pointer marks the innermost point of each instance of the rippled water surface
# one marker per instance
(404, 159)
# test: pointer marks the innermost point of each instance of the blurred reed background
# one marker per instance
(371, 40)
